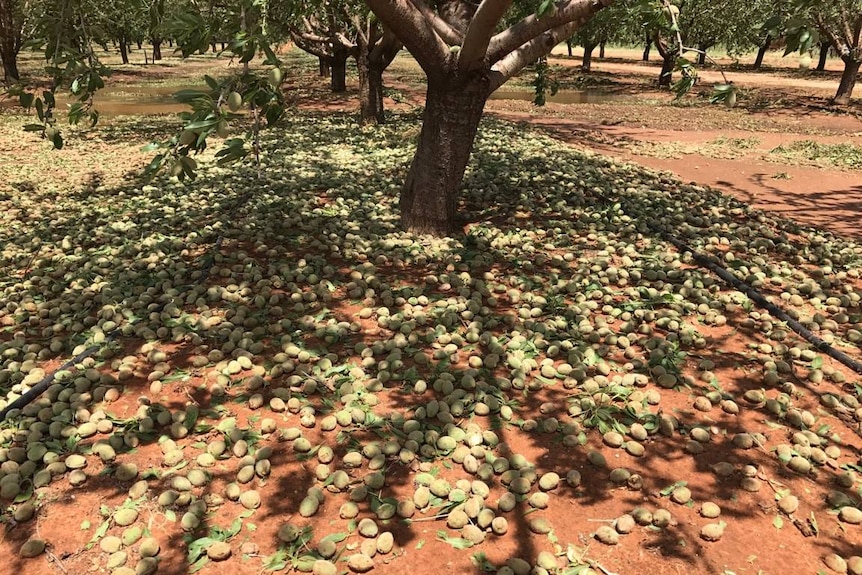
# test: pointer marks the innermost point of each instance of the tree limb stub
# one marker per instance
(415, 32)
(479, 33)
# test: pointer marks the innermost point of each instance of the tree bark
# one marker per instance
(647, 49)
(157, 49)
(587, 62)
(701, 56)
(370, 90)
(569, 46)
(761, 52)
(10, 42)
(213, 46)
(602, 49)
(124, 49)
(140, 43)
(429, 197)
(10, 67)
(824, 54)
(848, 81)
(338, 77)
(323, 66)
(665, 78)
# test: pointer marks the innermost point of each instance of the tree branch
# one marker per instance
(312, 48)
(539, 46)
(479, 33)
(385, 49)
(449, 34)
(857, 32)
(532, 26)
(414, 30)
(842, 49)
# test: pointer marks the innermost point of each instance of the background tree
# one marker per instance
(12, 17)
(614, 24)
(839, 22)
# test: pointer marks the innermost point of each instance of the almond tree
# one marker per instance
(840, 22)
(465, 58)
(334, 30)
(11, 22)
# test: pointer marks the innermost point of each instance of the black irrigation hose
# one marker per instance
(715, 267)
(719, 270)
(46, 381)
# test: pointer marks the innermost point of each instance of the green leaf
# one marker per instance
(669, 489)
(199, 564)
(778, 522)
(335, 537)
(192, 413)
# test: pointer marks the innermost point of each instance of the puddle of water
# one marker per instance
(561, 97)
(130, 100)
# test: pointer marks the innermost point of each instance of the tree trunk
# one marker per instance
(370, 90)
(338, 77)
(701, 56)
(224, 45)
(323, 66)
(587, 62)
(761, 52)
(569, 46)
(824, 54)
(647, 49)
(213, 46)
(429, 198)
(602, 49)
(124, 49)
(665, 78)
(140, 44)
(10, 67)
(848, 81)
(157, 49)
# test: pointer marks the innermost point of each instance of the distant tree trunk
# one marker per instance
(124, 49)
(370, 90)
(10, 67)
(140, 43)
(170, 42)
(157, 49)
(824, 54)
(761, 52)
(10, 41)
(338, 74)
(322, 66)
(668, 55)
(665, 78)
(848, 81)
(569, 46)
(647, 48)
(587, 62)
(701, 56)
(602, 49)
(453, 108)
(223, 45)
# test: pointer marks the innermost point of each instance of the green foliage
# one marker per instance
(544, 82)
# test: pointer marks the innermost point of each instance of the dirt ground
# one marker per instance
(732, 150)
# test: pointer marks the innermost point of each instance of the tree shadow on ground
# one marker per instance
(341, 315)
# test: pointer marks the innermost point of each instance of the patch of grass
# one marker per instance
(844, 156)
